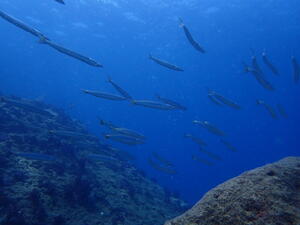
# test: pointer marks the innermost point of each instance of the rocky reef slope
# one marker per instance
(52, 171)
(266, 195)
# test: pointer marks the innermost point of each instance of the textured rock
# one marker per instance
(74, 188)
(268, 195)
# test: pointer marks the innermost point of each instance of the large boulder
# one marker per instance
(54, 172)
(268, 195)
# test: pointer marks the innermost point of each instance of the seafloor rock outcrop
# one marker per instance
(53, 172)
(269, 195)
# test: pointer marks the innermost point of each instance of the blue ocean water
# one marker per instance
(121, 35)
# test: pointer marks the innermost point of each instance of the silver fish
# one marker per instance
(214, 100)
(269, 108)
(210, 154)
(203, 161)
(269, 64)
(119, 89)
(171, 102)
(71, 134)
(228, 145)
(162, 159)
(211, 128)
(153, 104)
(196, 139)
(260, 79)
(98, 157)
(27, 106)
(190, 38)
(128, 132)
(166, 170)
(223, 100)
(71, 53)
(124, 139)
(107, 124)
(255, 65)
(104, 95)
(23, 26)
(165, 64)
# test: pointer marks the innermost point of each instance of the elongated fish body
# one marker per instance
(228, 145)
(269, 64)
(210, 154)
(190, 38)
(203, 161)
(260, 79)
(166, 170)
(124, 139)
(104, 95)
(22, 25)
(214, 100)
(153, 104)
(162, 159)
(196, 139)
(225, 101)
(165, 64)
(256, 66)
(60, 1)
(211, 128)
(107, 124)
(281, 110)
(128, 132)
(124, 93)
(35, 156)
(269, 108)
(296, 69)
(103, 158)
(171, 102)
(71, 134)
(26, 106)
(70, 53)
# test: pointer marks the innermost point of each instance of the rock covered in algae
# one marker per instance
(268, 195)
(49, 175)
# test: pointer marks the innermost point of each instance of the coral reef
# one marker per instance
(266, 195)
(47, 178)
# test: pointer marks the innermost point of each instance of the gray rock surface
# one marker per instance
(268, 195)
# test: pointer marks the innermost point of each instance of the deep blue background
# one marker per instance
(121, 34)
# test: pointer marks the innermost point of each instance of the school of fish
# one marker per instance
(130, 137)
